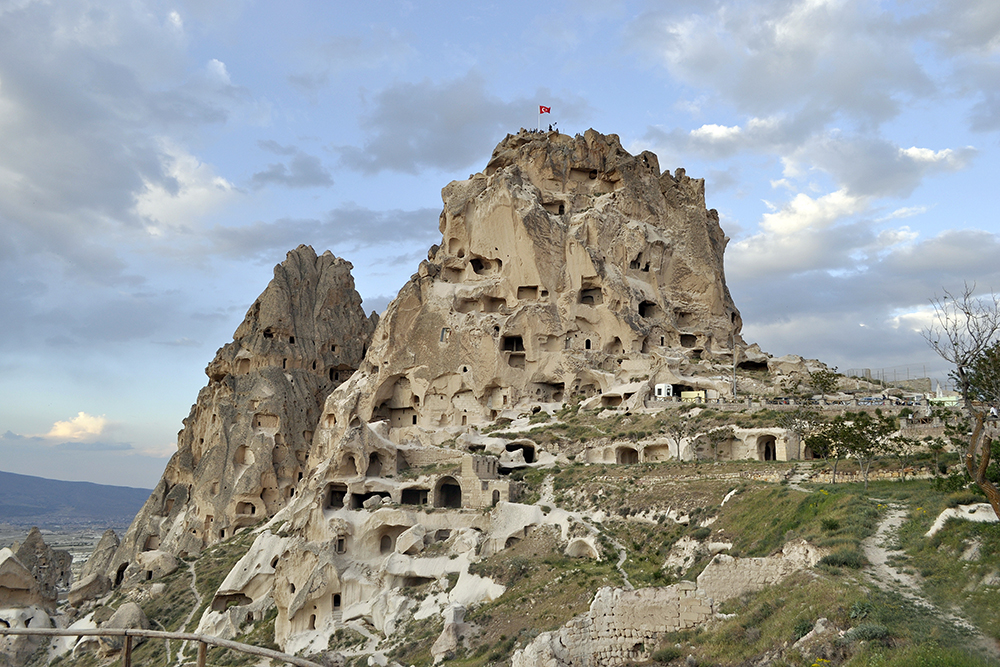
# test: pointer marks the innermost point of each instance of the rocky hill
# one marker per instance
(501, 470)
(28, 501)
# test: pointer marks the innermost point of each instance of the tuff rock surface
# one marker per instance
(568, 269)
(245, 446)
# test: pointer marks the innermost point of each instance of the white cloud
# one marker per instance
(81, 427)
(804, 212)
(903, 212)
(191, 191)
(716, 132)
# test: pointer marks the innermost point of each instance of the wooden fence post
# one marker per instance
(128, 650)
(202, 652)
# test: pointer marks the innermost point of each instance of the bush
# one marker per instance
(666, 654)
(803, 626)
(851, 558)
(866, 632)
(701, 533)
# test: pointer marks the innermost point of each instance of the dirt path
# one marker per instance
(880, 548)
(181, 658)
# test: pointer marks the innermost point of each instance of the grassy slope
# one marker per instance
(546, 588)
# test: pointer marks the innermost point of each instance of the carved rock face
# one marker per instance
(565, 268)
(245, 446)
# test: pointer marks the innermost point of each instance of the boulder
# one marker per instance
(411, 540)
(91, 587)
(17, 587)
(128, 616)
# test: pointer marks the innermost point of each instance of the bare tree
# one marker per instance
(965, 333)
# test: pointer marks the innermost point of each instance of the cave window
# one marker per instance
(513, 344)
(593, 174)
(662, 340)
(149, 575)
(336, 600)
(341, 545)
(312, 621)
(586, 344)
(385, 544)
(284, 363)
(562, 208)
(477, 265)
(591, 296)
(268, 333)
(314, 364)
(291, 587)
(688, 340)
(496, 498)
(291, 340)
(333, 348)
(274, 562)
(414, 420)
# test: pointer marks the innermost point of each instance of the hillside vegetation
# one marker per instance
(635, 507)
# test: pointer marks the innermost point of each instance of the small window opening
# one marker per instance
(586, 344)
(336, 600)
(268, 333)
(291, 340)
(562, 209)
(414, 420)
(284, 363)
(513, 344)
(341, 545)
(593, 174)
(312, 621)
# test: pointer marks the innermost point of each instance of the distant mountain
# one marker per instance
(26, 500)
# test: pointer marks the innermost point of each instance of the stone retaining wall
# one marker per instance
(622, 625)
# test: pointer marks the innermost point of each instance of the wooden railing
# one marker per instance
(203, 642)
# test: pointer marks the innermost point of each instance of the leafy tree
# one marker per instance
(965, 333)
(864, 436)
(825, 381)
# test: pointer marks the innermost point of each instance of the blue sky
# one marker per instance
(158, 158)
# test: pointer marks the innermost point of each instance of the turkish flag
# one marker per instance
(542, 109)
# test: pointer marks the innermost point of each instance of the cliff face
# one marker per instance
(566, 268)
(245, 446)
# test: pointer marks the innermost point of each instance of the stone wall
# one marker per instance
(622, 625)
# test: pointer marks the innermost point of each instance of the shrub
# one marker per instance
(803, 626)
(866, 632)
(851, 558)
(701, 533)
(666, 654)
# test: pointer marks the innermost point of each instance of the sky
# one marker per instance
(157, 159)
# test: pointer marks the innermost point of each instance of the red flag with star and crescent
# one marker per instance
(542, 109)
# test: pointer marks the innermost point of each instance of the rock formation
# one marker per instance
(569, 270)
(51, 568)
(244, 448)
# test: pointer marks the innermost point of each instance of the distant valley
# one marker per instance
(27, 501)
